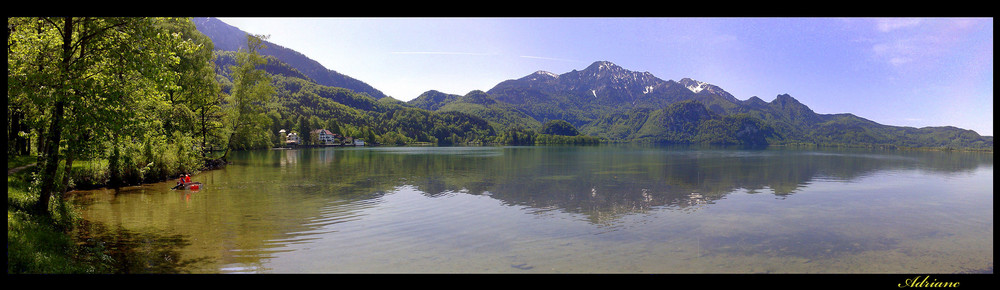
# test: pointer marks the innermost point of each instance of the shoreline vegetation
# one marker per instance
(61, 242)
(113, 102)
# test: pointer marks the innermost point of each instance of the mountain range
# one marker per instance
(617, 104)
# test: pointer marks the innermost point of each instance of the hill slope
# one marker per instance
(229, 38)
(501, 116)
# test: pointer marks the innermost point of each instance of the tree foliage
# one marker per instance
(93, 80)
(249, 98)
(141, 95)
(559, 127)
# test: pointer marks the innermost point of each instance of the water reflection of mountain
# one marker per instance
(606, 181)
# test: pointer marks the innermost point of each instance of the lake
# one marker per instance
(561, 209)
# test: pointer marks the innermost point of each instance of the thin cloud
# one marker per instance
(908, 40)
(550, 58)
(441, 53)
(890, 24)
(900, 42)
(896, 52)
(898, 48)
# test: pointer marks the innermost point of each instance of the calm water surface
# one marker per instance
(600, 209)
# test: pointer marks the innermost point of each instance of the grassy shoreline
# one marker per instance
(38, 244)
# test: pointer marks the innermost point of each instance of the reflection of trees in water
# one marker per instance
(121, 251)
(604, 182)
(601, 182)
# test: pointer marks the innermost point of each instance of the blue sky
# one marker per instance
(897, 71)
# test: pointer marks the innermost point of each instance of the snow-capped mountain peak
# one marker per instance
(696, 86)
(545, 73)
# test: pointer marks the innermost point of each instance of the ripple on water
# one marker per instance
(808, 245)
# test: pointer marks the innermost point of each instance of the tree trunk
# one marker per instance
(17, 144)
(40, 145)
(204, 132)
(51, 160)
(225, 154)
(67, 172)
(114, 164)
(55, 128)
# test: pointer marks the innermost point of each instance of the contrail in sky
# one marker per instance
(479, 53)
(549, 58)
(441, 53)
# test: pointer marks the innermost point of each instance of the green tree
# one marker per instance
(305, 131)
(91, 75)
(251, 94)
(333, 126)
(196, 88)
(559, 127)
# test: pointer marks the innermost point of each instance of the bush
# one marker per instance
(158, 159)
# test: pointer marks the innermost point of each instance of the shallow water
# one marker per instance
(595, 209)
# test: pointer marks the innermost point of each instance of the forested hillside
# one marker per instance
(229, 38)
(302, 105)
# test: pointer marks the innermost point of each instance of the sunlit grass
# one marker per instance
(34, 245)
(37, 243)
